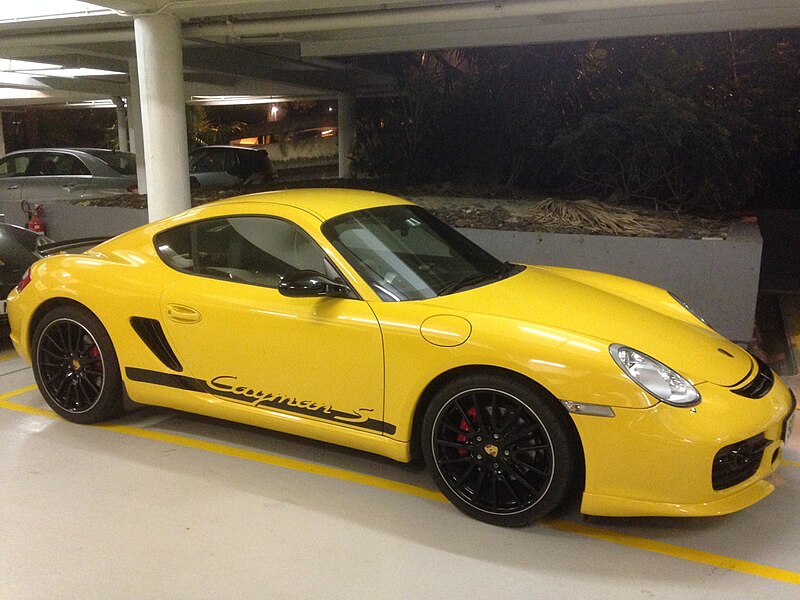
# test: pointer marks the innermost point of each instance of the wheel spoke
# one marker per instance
(481, 479)
(494, 413)
(531, 448)
(521, 478)
(451, 461)
(454, 429)
(59, 355)
(449, 444)
(521, 434)
(464, 416)
(531, 467)
(93, 388)
(462, 480)
(493, 489)
(509, 487)
(478, 418)
(517, 411)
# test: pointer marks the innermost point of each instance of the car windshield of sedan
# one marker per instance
(405, 253)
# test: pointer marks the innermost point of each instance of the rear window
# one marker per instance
(121, 162)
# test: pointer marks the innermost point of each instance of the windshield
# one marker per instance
(405, 253)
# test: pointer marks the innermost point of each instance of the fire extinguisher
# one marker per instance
(35, 217)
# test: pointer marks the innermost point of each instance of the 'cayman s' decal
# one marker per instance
(227, 386)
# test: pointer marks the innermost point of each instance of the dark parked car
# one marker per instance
(229, 165)
(19, 249)
(42, 174)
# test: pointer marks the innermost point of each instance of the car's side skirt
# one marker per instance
(197, 396)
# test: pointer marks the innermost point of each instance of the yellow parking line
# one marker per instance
(13, 393)
(278, 461)
(790, 463)
(680, 552)
(690, 554)
(8, 356)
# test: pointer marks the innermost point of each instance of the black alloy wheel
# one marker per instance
(499, 451)
(76, 367)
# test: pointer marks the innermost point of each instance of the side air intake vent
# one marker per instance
(153, 336)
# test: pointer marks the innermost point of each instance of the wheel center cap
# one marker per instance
(76, 364)
(491, 450)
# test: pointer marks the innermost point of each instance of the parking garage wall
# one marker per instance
(717, 277)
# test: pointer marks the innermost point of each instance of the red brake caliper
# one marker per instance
(94, 352)
(465, 426)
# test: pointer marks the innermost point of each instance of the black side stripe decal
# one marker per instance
(268, 401)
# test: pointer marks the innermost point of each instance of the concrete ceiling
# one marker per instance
(290, 48)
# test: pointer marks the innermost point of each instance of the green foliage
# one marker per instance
(649, 145)
(691, 122)
(204, 128)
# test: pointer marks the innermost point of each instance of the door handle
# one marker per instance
(12, 186)
(183, 314)
(69, 186)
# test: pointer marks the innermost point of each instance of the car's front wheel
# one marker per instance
(500, 450)
(75, 366)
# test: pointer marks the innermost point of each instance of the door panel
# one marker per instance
(314, 357)
(55, 176)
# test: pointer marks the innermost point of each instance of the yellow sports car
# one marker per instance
(359, 319)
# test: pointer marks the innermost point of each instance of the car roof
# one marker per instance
(325, 203)
(229, 147)
(51, 150)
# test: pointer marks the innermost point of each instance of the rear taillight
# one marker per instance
(26, 279)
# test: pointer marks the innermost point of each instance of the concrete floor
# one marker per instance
(167, 505)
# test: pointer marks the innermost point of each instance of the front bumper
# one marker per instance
(660, 461)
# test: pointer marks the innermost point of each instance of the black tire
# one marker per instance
(75, 366)
(501, 450)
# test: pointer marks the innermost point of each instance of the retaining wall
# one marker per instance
(719, 278)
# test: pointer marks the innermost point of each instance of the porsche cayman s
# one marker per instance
(359, 319)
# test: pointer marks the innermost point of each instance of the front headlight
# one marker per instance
(654, 377)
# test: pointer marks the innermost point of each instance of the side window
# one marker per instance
(175, 248)
(14, 166)
(56, 164)
(66, 164)
(232, 163)
(255, 250)
(210, 161)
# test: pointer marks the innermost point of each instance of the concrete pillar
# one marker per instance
(159, 56)
(135, 128)
(122, 124)
(347, 133)
(2, 137)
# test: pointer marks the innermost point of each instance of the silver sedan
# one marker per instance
(44, 174)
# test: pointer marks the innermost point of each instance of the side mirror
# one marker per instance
(307, 284)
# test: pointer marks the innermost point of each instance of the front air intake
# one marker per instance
(738, 462)
(153, 336)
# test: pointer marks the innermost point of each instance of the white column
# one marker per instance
(159, 56)
(122, 124)
(2, 137)
(135, 128)
(347, 133)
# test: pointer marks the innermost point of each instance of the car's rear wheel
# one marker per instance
(75, 366)
(500, 450)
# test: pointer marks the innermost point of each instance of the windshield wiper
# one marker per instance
(459, 284)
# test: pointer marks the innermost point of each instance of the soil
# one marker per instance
(496, 208)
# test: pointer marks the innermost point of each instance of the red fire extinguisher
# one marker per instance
(35, 217)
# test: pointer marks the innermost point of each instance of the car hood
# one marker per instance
(611, 310)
